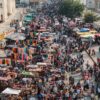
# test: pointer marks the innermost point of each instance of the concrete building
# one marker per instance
(90, 4)
(37, 2)
(7, 7)
(32, 2)
(97, 5)
(24, 1)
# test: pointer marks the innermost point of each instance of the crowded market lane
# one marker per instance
(46, 60)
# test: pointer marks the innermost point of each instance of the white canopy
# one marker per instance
(42, 64)
(32, 66)
(16, 36)
(11, 91)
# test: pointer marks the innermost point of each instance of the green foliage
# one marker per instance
(71, 8)
(90, 17)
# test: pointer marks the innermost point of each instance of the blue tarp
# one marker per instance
(84, 29)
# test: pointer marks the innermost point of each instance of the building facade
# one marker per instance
(97, 5)
(90, 4)
(32, 2)
(7, 7)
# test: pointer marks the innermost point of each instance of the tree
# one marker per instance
(71, 8)
(90, 17)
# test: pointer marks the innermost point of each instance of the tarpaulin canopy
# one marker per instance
(93, 31)
(84, 29)
(83, 33)
(76, 30)
(11, 91)
(32, 66)
(16, 36)
(42, 64)
(42, 29)
(88, 36)
(26, 73)
(12, 46)
(35, 70)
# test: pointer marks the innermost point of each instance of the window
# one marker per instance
(0, 5)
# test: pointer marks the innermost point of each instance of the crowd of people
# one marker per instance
(49, 64)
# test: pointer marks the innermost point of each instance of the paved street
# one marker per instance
(46, 58)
